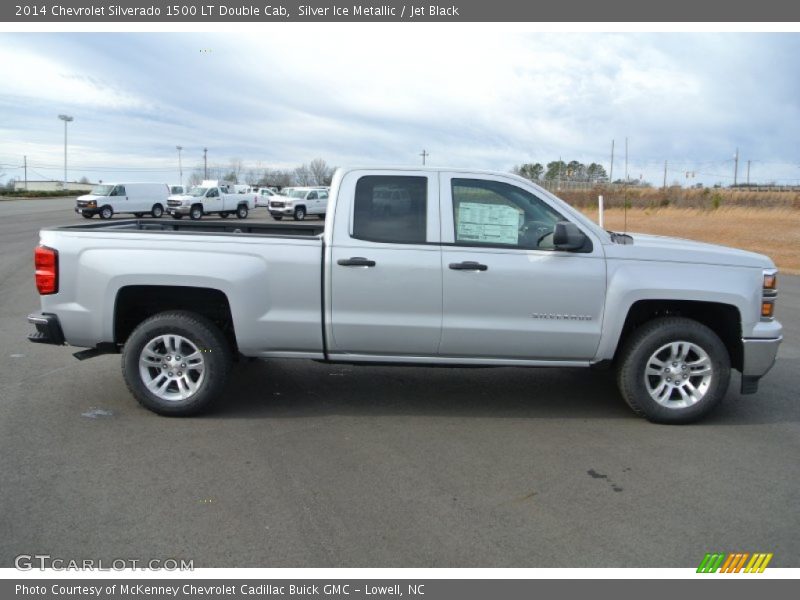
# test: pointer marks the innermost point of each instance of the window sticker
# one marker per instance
(488, 223)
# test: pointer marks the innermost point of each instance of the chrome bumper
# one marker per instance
(758, 357)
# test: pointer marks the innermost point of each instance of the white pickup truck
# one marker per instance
(208, 198)
(413, 266)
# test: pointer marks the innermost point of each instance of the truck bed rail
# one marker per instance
(200, 227)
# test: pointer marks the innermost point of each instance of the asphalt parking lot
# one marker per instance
(313, 465)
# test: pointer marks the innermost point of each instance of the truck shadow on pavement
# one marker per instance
(297, 389)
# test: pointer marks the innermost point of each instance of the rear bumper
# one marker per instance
(759, 356)
(48, 329)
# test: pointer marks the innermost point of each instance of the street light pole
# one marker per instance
(66, 119)
(180, 167)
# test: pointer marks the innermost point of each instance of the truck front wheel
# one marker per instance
(299, 213)
(673, 370)
(196, 213)
(106, 212)
(176, 363)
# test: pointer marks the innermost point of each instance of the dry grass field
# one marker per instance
(771, 231)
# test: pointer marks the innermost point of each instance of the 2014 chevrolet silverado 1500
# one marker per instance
(464, 268)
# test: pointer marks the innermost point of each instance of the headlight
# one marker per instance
(768, 293)
(92, 204)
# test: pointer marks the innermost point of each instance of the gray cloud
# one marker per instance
(488, 99)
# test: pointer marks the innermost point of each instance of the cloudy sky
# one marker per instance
(367, 94)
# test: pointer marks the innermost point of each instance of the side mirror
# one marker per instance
(567, 236)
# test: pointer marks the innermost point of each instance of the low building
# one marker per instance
(52, 186)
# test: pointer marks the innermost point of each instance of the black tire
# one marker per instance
(106, 212)
(640, 347)
(157, 211)
(277, 217)
(299, 213)
(177, 216)
(204, 335)
(87, 215)
(242, 211)
(138, 215)
(224, 214)
(196, 212)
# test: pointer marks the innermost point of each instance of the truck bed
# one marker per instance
(234, 227)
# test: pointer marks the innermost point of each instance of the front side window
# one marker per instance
(213, 193)
(391, 208)
(119, 191)
(494, 213)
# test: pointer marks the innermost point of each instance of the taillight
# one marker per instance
(46, 261)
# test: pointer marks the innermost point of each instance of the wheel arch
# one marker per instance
(135, 303)
(723, 319)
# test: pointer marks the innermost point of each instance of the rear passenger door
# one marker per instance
(385, 267)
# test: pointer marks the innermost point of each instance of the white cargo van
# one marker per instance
(137, 198)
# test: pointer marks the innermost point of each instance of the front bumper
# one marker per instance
(48, 329)
(758, 357)
(179, 210)
(281, 212)
(86, 210)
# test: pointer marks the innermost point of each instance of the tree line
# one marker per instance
(558, 170)
(317, 172)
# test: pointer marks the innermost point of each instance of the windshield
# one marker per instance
(102, 190)
(198, 191)
(297, 193)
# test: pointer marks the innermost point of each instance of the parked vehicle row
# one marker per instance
(210, 197)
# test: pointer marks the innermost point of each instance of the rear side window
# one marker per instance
(391, 209)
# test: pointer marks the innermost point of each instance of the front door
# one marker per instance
(385, 267)
(507, 293)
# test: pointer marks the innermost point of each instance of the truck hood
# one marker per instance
(179, 197)
(669, 249)
(90, 197)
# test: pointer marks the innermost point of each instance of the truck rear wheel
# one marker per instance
(241, 211)
(673, 370)
(196, 213)
(157, 211)
(176, 363)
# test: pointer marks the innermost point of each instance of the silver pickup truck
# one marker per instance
(465, 268)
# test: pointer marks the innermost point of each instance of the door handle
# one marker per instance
(356, 261)
(468, 265)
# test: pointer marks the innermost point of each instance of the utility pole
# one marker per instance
(665, 174)
(748, 173)
(66, 119)
(611, 171)
(560, 162)
(205, 163)
(626, 161)
(180, 167)
(735, 167)
(25, 161)
(424, 155)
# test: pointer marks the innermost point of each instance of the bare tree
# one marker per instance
(302, 175)
(321, 173)
(196, 178)
(277, 177)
